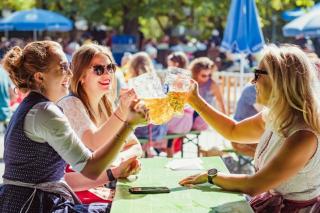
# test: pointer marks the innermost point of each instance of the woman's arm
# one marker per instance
(48, 123)
(294, 154)
(125, 169)
(218, 96)
(131, 148)
(80, 121)
(246, 131)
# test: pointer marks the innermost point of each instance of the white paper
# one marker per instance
(185, 164)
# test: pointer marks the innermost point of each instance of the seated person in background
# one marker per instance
(287, 158)
(202, 69)
(90, 111)
(39, 141)
(178, 125)
(246, 107)
(139, 64)
(6, 93)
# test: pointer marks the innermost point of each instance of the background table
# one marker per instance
(202, 198)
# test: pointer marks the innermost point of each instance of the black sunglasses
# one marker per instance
(100, 69)
(257, 72)
(65, 67)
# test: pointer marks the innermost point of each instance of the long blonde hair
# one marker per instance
(293, 95)
(80, 62)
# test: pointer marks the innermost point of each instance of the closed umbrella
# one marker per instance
(243, 33)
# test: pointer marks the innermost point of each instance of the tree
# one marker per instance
(158, 17)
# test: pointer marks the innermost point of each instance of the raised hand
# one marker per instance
(193, 92)
(126, 99)
(138, 114)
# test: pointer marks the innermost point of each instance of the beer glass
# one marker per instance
(148, 88)
(177, 82)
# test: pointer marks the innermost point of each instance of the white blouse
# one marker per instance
(77, 115)
(305, 185)
(45, 122)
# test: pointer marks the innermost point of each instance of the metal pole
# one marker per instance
(242, 61)
(6, 34)
(34, 35)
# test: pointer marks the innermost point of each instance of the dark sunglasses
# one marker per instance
(65, 67)
(100, 69)
(257, 72)
(206, 76)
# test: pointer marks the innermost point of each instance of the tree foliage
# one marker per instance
(158, 17)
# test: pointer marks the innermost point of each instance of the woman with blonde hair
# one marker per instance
(287, 158)
(95, 118)
(40, 141)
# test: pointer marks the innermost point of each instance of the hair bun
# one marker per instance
(12, 63)
(14, 58)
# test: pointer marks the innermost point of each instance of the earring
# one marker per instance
(16, 90)
(42, 89)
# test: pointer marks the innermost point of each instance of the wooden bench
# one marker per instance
(190, 137)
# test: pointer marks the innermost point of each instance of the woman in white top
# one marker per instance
(287, 158)
(90, 111)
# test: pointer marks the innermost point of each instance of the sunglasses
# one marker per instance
(206, 76)
(65, 67)
(100, 69)
(257, 72)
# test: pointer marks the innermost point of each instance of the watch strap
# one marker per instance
(110, 175)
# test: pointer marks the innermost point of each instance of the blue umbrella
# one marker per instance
(36, 20)
(243, 33)
(289, 15)
(305, 25)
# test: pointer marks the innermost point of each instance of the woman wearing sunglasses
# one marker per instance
(39, 139)
(91, 113)
(287, 158)
(202, 69)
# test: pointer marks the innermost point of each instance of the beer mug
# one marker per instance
(148, 88)
(178, 85)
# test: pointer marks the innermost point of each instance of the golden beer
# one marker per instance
(159, 110)
(177, 101)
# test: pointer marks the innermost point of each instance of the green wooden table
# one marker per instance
(204, 198)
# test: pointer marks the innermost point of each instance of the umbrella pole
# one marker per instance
(34, 35)
(242, 61)
(6, 34)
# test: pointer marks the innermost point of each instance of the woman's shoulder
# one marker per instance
(70, 99)
(46, 110)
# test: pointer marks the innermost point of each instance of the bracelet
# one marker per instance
(117, 116)
(110, 175)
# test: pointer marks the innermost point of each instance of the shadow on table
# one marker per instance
(233, 207)
(210, 188)
(123, 193)
(177, 189)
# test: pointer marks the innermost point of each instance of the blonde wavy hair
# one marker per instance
(80, 62)
(293, 82)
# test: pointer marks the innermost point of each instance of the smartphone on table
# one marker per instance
(148, 190)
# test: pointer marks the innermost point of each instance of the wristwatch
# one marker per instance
(211, 174)
(110, 175)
